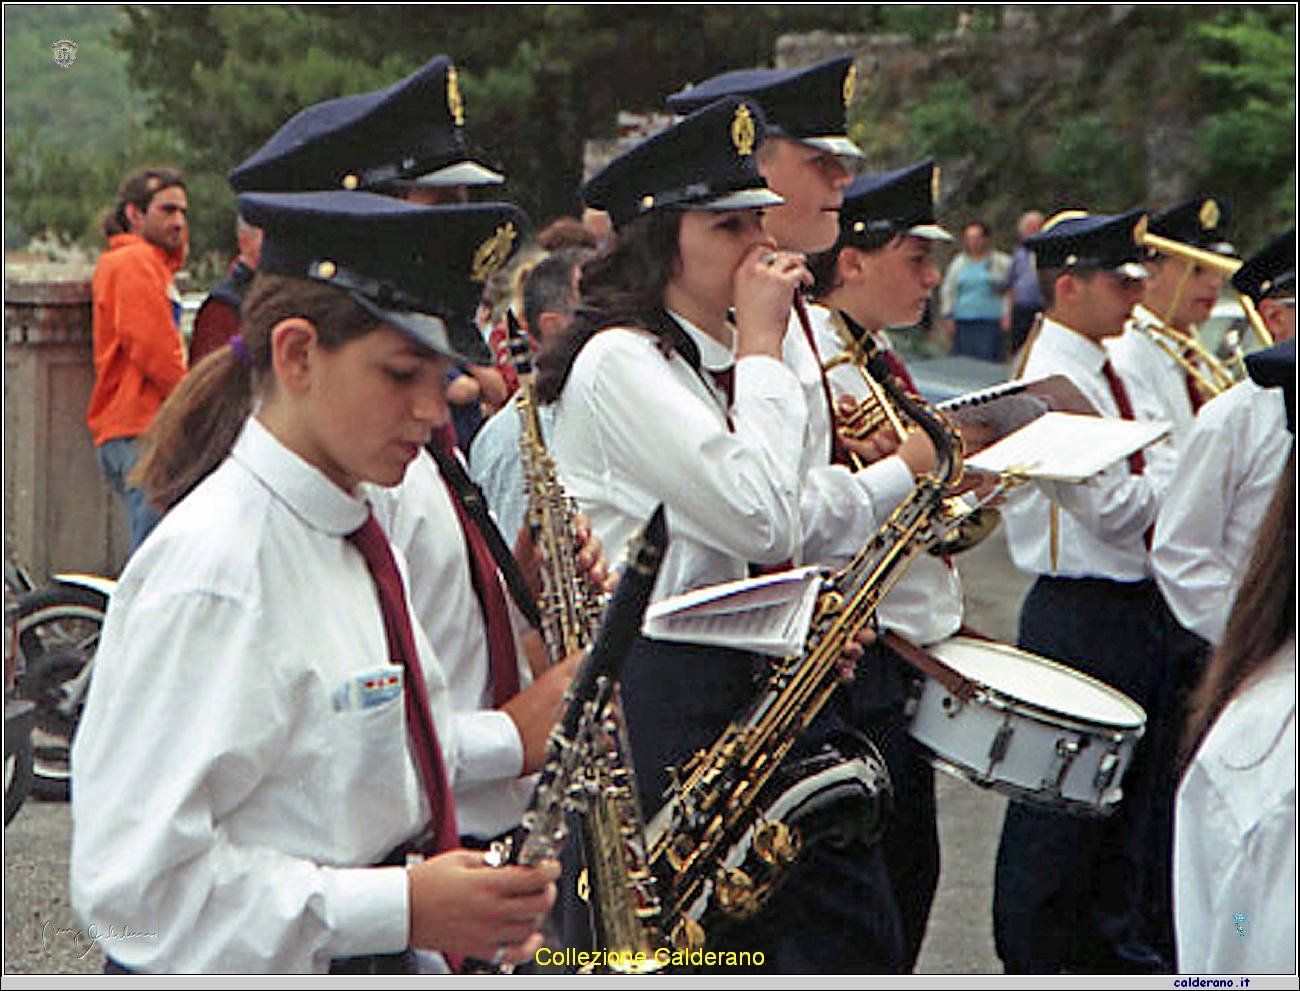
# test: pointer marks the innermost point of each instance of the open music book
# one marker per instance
(988, 415)
(768, 615)
(1067, 447)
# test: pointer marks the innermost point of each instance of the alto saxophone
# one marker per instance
(717, 804)
(620, 888)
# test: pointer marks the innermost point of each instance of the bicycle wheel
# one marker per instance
(58, 633)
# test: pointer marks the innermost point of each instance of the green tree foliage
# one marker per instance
(1068, 112)
(1249, 63)
(539, 79)
(69, 133)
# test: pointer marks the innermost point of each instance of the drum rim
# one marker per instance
(1024, 704)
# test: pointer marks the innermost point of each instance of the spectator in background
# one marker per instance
(1024, 300)
(218, 318)
(139, 353)
(971, 295)
(566, 233)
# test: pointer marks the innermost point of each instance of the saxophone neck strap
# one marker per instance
(470, 496)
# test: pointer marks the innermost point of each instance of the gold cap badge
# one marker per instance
(1210, 215)
(743, 131)
(493, 253)
(455, 102)
(350, 181)
(934, 186)
(850, 83)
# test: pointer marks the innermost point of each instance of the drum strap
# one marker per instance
(957, 684)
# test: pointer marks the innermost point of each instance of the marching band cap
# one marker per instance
(1101, 242)
(409, 133)
(420, 269)
(1201, 222)
(1271, 272)
(704, 162)
(807, 104)
(1275, 369)
(897, 202)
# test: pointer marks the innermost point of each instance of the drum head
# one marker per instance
(1035, 681)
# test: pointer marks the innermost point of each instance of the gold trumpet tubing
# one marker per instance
(1225, 266)
(1202, 362)
(1211, 379)
(1256, 321)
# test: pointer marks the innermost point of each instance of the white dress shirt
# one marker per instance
(230, 785)
(495, 464)
(1156, 383)
(635, 428)
(1102, 523)
(1218, 496)
(1235, 834)
(925, 605)
(421, 521)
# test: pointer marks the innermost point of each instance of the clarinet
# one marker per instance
(586, 771)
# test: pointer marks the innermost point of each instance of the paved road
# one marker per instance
(41, 932)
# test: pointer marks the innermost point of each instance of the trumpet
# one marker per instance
(960, 525)
(1225, 266)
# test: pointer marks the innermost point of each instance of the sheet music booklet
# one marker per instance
(1045, 428)
(768, 615)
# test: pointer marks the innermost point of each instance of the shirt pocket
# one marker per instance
(369, 789)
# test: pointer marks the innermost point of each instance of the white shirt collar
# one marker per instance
(303, 488)
(1072, 345)
(714, 356)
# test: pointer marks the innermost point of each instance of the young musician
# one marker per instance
(267, 736)
(672, 390)
(809, 160)
(408, 141)
(1071, 893)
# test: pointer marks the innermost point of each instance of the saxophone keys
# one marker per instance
(777, 844)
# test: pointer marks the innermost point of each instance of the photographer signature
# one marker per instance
(85, 939)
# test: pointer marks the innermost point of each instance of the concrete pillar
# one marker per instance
(60, 514)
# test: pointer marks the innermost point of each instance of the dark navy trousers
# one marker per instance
(1074, 893)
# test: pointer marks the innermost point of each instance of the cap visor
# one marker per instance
(836, 146)
(459, 174)
(1132, 270)
(743, 199)
(432, 332)
(930, 232)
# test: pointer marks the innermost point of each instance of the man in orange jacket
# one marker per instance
(139, 354)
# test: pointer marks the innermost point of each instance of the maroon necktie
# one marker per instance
(373, 545)
(1136, 462)
(899, 371)
(487, 586)
(725, 379)
(1193, 393)
(839, 455)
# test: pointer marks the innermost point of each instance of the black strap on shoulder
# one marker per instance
(472, 499)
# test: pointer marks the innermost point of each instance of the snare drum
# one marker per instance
(1027, 727)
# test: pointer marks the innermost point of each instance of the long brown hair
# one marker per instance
(200, 421)
(1262, 617)
(621, 287)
